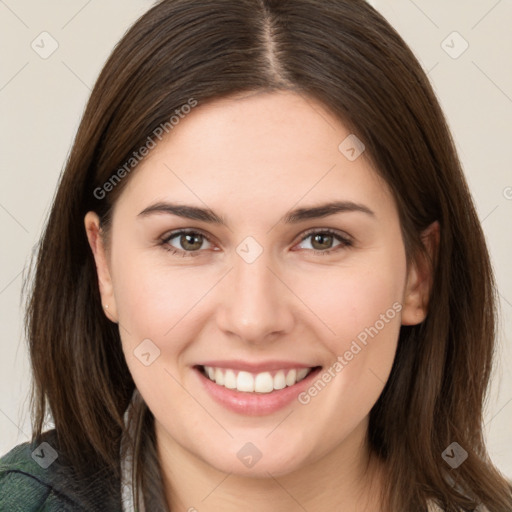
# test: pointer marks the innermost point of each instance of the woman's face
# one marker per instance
(244, 293)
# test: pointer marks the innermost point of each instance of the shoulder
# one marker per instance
(33, 477)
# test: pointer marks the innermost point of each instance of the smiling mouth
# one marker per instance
(248, 382)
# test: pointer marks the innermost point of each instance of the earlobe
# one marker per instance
(420, 278)
(96, 242)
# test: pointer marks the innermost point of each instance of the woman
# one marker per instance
(256, 286)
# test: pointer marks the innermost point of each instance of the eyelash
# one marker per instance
(345, 241)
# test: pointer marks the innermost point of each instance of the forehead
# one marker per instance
(256, 153)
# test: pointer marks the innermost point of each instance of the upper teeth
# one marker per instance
(255, 382)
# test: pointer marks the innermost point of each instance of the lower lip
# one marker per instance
(255, 404)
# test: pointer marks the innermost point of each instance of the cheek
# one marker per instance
(352, 300)
(160, 313)
(154, 300)
(155, 308)
(361, 305)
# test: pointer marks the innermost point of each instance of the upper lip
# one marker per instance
(253, 367)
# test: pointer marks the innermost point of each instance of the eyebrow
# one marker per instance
(292, 217)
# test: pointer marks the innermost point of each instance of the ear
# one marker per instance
(420, 277)
(96, 242)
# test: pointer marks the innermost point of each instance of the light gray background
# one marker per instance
(41, 101)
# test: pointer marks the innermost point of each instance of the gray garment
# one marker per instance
(30, 481)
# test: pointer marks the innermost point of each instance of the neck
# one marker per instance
(346, 478)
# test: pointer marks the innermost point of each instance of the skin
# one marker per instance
(251, 159)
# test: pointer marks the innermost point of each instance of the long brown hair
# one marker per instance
(346, 56)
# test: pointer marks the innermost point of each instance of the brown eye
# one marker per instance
(191, 242)
(322, 241)
(184, 242)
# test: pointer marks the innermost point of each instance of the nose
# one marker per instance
(256, 304)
